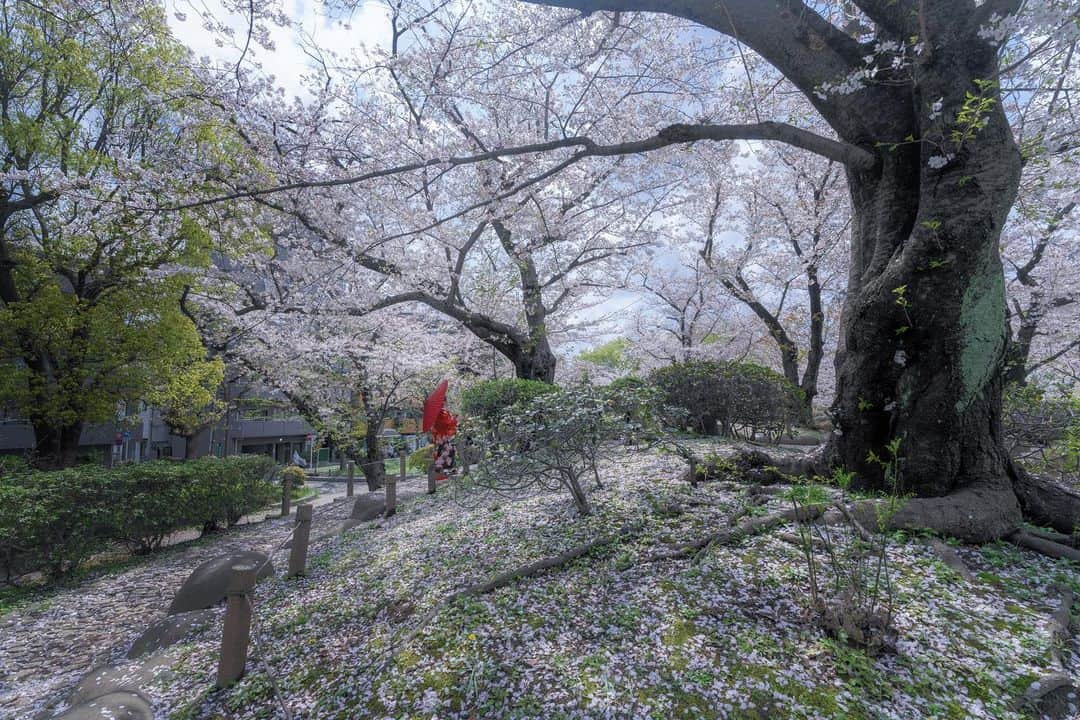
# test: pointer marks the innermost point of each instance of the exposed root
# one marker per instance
(503, 579)
(1025, 539)
(952, 559)
(1049, 696)
(746, 528)
(1052, 536)
(1046, 501)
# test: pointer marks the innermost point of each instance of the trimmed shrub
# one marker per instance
(553, 441)
(485, 400)
(295, 474)
(421, 459)
(53, 521)
(740, 400)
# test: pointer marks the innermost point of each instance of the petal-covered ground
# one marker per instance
(725, 634)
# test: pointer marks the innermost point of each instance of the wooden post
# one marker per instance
(286, 495)
(431, 479)
(298, 552)
(352, 474)
(236, 633)
(391, 495)
(465, 458)
(401, 471)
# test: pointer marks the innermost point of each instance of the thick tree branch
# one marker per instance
(677, 134)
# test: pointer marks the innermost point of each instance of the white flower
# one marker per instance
(938, 161)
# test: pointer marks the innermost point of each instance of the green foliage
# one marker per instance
(55, 520)
(1042, 427)
(732, 398)
(485, 400)
(294, 474)
(421, 459)
(188, 399)
(89, 319)
(553, 440)
(612, 355)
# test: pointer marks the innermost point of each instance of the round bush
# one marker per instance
(730, 398)
(485, 400)
(421, 458)
(295, 474)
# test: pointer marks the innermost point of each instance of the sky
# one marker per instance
(367, 26)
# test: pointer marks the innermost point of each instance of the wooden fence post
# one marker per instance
(431, 479)
(298, 552)
(286, 495)
(236, 633)
(352, 474)
(391, 495)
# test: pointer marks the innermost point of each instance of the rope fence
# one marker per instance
(241, 626)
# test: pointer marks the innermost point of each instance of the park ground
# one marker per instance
(615, 633)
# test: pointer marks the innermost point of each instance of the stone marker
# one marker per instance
(114, 706)
(108, 680)
(208, 583)
(170, 630)
(236, 633)
(368, 507)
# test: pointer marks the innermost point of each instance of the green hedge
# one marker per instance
(485, 400)
(52, 521)
(735, 399)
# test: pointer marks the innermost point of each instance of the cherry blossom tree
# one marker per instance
(791, 209)
(1039, 241)
(912, 96)
(913, 93)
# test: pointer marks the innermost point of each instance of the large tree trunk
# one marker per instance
(373, 467)
(56, 447)
(534, 361)
(924, 327)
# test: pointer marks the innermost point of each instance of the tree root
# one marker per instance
(747, 528)
(952, 559)
(1025, 539)
(1052, 536)
(1047, 502)
(503, 579)
(1049, 695)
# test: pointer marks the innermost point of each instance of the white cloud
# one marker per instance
(368, 26)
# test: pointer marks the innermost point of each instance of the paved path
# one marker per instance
(46, 646)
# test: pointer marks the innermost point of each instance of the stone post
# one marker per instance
(301, 536)
(352, 474)
(236, 632)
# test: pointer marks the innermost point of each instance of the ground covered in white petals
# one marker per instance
(725, 634)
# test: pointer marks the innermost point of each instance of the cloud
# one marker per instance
(287, 62)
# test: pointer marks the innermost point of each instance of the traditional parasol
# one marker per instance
(434, 403)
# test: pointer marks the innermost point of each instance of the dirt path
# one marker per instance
(49, 644)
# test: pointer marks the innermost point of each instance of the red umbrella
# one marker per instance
(434, 403)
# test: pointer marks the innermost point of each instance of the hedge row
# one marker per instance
(53, 521)
(736, 399)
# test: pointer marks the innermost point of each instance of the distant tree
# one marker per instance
(188, 399)
(94, 127)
